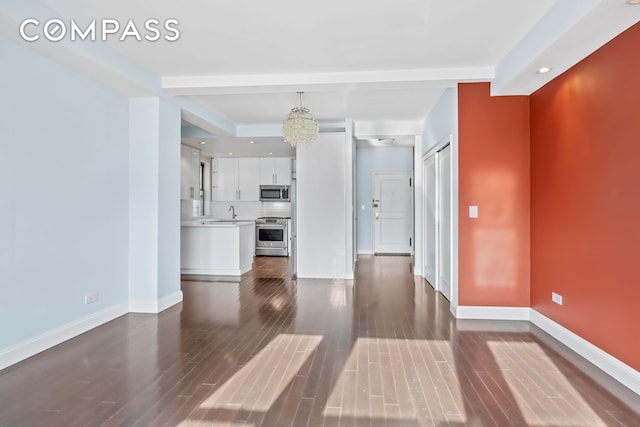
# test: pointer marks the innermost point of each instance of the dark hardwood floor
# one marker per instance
(268, 350)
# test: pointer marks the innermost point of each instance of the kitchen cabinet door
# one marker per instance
(267, 171)
(248, 179)
(238, 179)
(275, 170)
(227, 179)
(189, 173)
(283, 170)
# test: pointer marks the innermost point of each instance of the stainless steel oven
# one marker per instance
(272, 236)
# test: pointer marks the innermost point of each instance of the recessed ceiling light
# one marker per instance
(231, 154)
(544, 70)
(252, 142)
(633, 1)
(202, 142)
(270, 153)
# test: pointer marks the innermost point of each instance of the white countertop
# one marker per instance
(211, 222)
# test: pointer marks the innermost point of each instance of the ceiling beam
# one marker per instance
(309, 82)
(569, 32)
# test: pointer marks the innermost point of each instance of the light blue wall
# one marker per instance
(368, 161)
(63, 195)
(442, 121)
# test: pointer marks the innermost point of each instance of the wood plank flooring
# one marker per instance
(269, 350)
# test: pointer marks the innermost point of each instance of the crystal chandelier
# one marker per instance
(299, 127)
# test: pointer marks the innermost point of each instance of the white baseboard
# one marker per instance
(155, 307)
(214, 271)
(453, 308)
(364, 252)
(39, 343)
(617, 369)
(328, 276)
(25, 349)
(169, 301)
(492, 313)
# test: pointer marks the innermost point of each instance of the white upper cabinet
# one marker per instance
(248, 179)
(189, 173)
(275, 170)
(237, 179)
(227, 185)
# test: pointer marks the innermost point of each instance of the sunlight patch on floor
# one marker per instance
(398, 379)
(259, 383)
(338, 296)
(528, 371)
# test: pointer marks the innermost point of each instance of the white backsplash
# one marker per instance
(245, 210)
(250, 210)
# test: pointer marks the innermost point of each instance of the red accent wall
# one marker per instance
(494, 264)
(585, 207)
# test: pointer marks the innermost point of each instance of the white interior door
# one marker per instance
(430, 219)
(444, 220)
(392, 210)
(437, 231)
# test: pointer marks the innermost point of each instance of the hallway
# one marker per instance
(382, 350)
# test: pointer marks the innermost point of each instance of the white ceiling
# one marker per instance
(293, 36)
(372, 61)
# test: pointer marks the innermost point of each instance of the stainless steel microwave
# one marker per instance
(274, 193)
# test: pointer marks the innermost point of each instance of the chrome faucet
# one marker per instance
(233, 212)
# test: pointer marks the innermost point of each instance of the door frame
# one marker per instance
(448, 141)
(410, 174)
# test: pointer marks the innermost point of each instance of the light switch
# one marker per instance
(557, 298)
(473, 212)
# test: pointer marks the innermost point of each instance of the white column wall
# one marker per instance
(323, 190)
(418, 195)
(154, 211)
(169, 204)
(349, 199)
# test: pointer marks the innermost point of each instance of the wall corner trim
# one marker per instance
(617, 369)
(53, 337)
(154, 307)
(492, 313)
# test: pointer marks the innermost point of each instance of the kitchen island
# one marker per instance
(217, 247)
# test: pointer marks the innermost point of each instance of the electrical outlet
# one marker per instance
(88, 299)
(557, 298)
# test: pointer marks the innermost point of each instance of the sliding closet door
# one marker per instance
(430, 225)
(444, 219)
